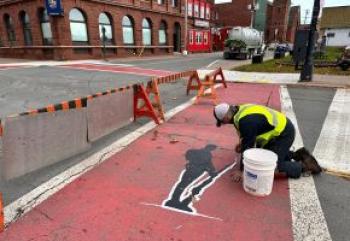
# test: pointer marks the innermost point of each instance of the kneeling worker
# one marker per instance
(263, 127)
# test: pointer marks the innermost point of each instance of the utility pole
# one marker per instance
(307, 72)
(253, 8)
(184, 52)
(306, 15)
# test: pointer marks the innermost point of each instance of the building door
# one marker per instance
(177, 38)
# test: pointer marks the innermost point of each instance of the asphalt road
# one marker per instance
(30, 88)
(26, 88)
(311, 106)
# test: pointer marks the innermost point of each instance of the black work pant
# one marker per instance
(281, 146)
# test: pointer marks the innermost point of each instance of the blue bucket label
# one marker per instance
(252, 175)
(250, 181)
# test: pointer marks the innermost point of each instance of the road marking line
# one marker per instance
(126, 70)
(16, 209)
(308, 219)
(335, 135)
(212, 63)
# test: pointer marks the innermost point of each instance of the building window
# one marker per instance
(206, 38)
(45, 27)
(174, 3)
(160, 2)
(330, 35)
(146, 32)
(128, 30)
(78, 27)
(27, 32)
(196, 9)
(202, 10)
(190, 9)
(162, 33)
(190, 33)
(349, 35)
(105, 23)
(198, 38)
(207, 12)
(11, 35)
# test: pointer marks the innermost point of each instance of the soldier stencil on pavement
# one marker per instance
(199, 174)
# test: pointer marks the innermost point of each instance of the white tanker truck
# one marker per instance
(242, 43)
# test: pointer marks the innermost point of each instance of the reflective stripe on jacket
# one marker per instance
(274, 118)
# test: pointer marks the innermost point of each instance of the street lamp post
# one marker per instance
(307, 71)
(185, 36)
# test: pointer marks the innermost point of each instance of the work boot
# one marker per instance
(307, 160)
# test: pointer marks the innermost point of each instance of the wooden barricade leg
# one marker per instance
(190, 86)
(206, 85)
(152, 89)
(220, 73)
(2, 218)
(145, 107)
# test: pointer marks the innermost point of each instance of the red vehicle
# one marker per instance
(219, 36)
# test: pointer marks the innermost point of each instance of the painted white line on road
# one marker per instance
(332, 147)
(72, 67)
(212, 63)
(27, 202)
(308, 219)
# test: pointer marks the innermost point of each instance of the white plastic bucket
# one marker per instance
(259, 169)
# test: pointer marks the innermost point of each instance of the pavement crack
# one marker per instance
(44, 214)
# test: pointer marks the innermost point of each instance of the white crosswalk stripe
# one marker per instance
(309, 223)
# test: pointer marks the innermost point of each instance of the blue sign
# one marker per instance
(54, 7)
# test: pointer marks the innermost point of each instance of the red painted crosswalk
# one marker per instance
(123, 198)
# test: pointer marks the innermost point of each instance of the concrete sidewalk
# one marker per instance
(332, 81)
(124, 197)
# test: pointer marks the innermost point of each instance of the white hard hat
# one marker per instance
(220, 112)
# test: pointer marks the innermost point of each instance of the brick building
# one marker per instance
(131, 27)
(277, 21)
(233, 13)
(293, 23)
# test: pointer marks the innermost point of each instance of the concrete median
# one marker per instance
(35, 141)
(109, 113)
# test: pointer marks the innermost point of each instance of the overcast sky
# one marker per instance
(308, 4)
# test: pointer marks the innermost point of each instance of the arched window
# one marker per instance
(146, 32)
(45, 27)
(11, 36)
(27, 32)
(128, 30)
(78, 28)
(104, 22)
(162, 33)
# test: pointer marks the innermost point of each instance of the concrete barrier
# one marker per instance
(33, 142)
(109, 113)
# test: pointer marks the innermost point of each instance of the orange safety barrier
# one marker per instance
(1, 130)
(2, 218)
(152, 91)
(220, 73)
(208, 83)
(214, 74)
(143, 108)
(190, 86)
